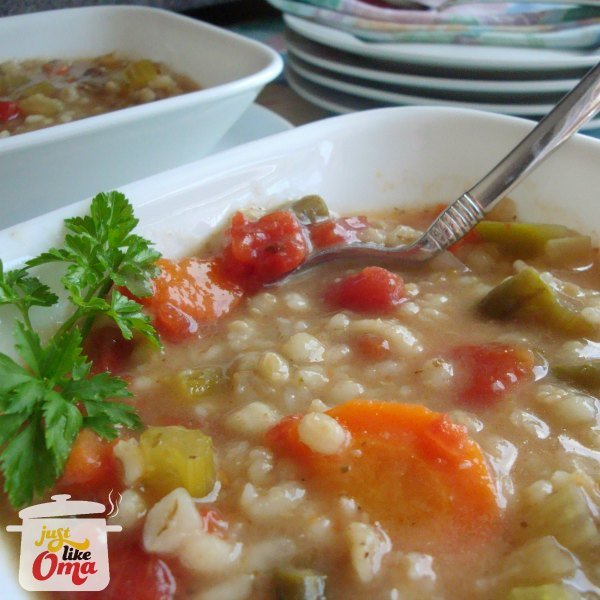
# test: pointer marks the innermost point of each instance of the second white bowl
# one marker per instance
(45, 169)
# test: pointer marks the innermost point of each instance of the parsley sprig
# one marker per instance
(48, 398)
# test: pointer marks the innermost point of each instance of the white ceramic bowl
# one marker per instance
(361, 162)
(45, 169)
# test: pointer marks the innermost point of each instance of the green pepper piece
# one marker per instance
(299, 584)
(194, 384)
(527, 296)
(544, 592)
(584, 375)
(310, 209)
(520, 239)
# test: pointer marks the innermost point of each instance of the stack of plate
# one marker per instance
(340, 73)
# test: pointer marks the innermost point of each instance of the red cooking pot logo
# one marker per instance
(61, 552)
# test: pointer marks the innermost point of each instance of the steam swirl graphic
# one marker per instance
(114, 506)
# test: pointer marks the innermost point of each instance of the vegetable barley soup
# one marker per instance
(352, 432)
(39, 93)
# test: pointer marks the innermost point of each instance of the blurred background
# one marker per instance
(253, 18)
(207, 9)
(511, 57)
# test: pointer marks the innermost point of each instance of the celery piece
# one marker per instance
(177, 457)
(10, 82)
(194, 384)
(527, 296)
(310, 209)
(536, 562)
(38, 104)
(299, 584)
(505, 211)
(520, 239)
(551, 591)
(585, 375)
(110, 61)
(566, 515)
(41, 87)
(572, 251)
(140, 73)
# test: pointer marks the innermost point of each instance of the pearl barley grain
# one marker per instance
(322, 433)
(303, 348)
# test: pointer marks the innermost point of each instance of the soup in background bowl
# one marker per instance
(114, 148)
(39, 93)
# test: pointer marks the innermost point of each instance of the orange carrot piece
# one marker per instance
(189, 293)
(406, 466)
(91, 470)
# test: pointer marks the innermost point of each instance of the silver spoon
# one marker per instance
(575, 109)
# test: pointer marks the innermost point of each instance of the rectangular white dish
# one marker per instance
(362, 162)
(45, 169)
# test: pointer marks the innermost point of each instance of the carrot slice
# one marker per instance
(91, 471)
(189, 293)
(406, 466)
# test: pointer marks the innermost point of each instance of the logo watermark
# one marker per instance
(60, 550)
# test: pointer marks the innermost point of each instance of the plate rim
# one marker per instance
(334, 107)
(427, 82)
(440, 55)
(406, 99)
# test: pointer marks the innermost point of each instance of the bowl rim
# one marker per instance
(118, 118)
(165, 183)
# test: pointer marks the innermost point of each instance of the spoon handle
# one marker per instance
(575, 109)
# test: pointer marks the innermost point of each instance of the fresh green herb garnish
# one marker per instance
(47, 400)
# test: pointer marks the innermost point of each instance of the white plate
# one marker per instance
(257, 122)
(450, 56)
(392, 73)
(67, 162)
(383, 96)
(415, 156)
(341, 103)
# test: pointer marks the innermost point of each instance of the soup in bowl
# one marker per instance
(358, 430)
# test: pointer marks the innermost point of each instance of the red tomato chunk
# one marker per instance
(372, 346)
(487, 372)
(336, 231)
(134, 575)
(264, 250)
(108, 350)
(372, 290)
(8, 111)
